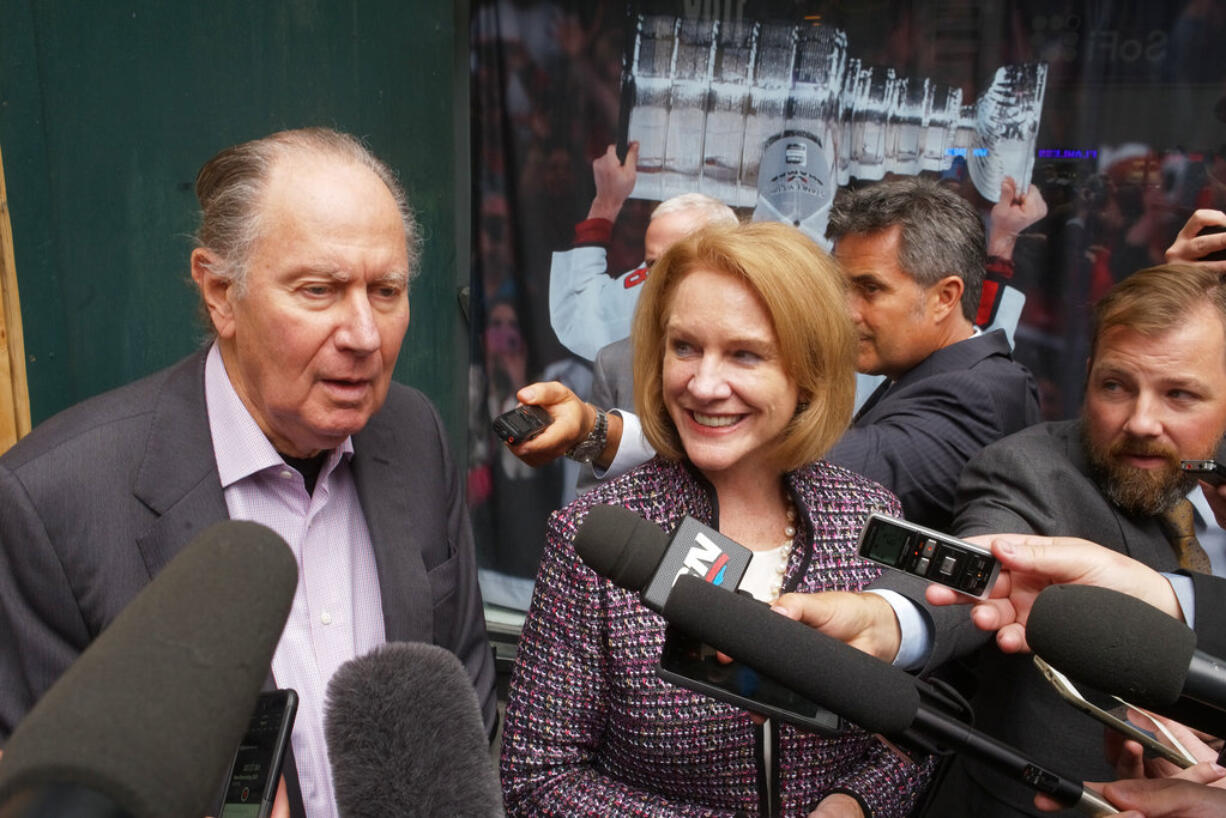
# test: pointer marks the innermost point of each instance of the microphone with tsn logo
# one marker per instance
(637, 555)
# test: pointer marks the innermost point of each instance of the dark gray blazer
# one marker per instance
(96, 500)
(613, 376)
(1036, 482)
(1210, 614)
(612, 388)
(916, 438)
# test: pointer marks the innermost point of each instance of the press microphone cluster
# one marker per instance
(1122, 646)
(864, 690)
(145, 723)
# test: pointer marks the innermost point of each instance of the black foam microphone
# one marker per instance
(637, 555)
(861, 688)
(146, 721)
(1122, 646)
(405, 736)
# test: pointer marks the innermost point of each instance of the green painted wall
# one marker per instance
(108, 109)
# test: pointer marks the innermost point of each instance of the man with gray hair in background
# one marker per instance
(589, 308)
(288, 418)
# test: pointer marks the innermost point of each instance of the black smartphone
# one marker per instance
(1216, 255)
(257, 763)
(687, 662)
(929, 555)
(521, 423)
(1211, 471)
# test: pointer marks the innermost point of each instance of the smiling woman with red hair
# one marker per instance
(743, 371)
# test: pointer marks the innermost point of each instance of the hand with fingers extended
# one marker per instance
(1197, 792)
(1192, 243)
(1031, 563)
(1131, 761)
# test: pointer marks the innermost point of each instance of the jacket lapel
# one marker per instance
(178, 478)
(408, 610)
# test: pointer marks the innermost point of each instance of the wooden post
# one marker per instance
(14, 390)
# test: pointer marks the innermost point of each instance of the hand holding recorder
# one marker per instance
(570, 422)
(1031, 563)
(865, 620)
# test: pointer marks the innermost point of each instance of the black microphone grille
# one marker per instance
(1112, 642)
(151, 713)
(405, 736)
(860, 688)
(620, 545)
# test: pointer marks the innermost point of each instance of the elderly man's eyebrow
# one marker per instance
(398, 277)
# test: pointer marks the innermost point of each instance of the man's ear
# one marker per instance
(215, 290)
(945, 297)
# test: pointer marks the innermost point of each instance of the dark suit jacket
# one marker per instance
(612, 388)
(96, 500)
(1210, 614)
(1036, 482)
(613, 376)
(916, 438)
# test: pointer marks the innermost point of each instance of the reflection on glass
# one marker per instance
(710, 98)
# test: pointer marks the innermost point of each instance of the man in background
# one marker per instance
(913, 253)
(590, 309)
(1155, 395)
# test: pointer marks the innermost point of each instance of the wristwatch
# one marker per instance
(587, 450)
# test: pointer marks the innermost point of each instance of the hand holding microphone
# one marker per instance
(877, 696)
(866, 622)
(1120, 645)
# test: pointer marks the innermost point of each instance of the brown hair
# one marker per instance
(1158, 299)
(803, 293)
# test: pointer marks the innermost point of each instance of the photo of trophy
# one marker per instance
(776, 117)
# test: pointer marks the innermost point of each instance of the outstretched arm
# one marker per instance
(1000, 305)
(1030, 563)
(573, 420)
(587, 308)
(864, 621)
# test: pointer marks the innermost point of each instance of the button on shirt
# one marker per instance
(337, 611)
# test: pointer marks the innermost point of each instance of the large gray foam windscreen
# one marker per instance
(1113, 642)
(152, 712)
(405, 737)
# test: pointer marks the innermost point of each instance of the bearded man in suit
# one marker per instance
(1155, 395)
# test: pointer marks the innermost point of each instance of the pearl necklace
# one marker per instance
(785, 551)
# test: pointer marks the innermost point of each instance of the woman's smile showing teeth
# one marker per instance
(714, 420)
